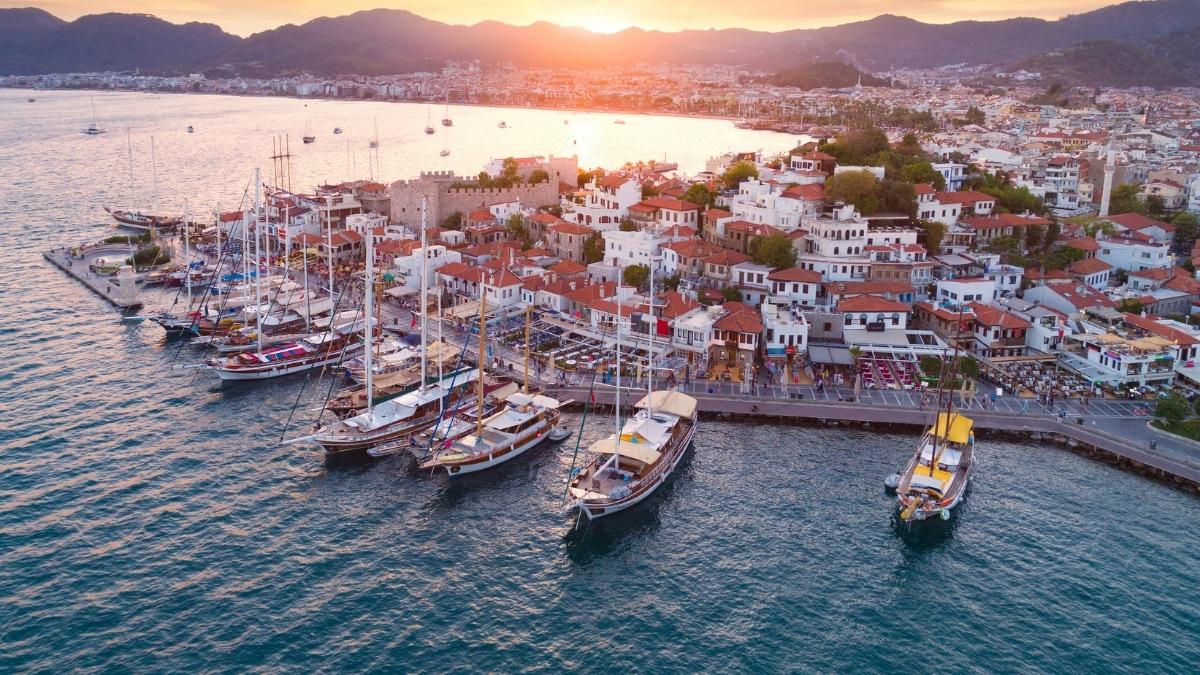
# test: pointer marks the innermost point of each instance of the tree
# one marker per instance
(593, 248)
(1126, 198)
(859, 188)
(636, 275)
(518, 231)
(921, 172)
(1187, 226)
(538, 176)
(731, 294)
(968, 366)
(1008, 247)
(1052, 231)
(935, 231)
(671, 283)
(854, 146)
(1035, 235)
(1171, 408)
(975, 116)
(898, 196)
(699, 193)
(584, 177)
(1130, 306)
(775, 251)
(628, 225)
(452, 221)
(740, 172)
(1155, 206)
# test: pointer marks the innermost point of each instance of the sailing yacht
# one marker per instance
(428, 122)
(137, 220)
(308, 134)
(631, 464)
(92, 129)
(446, 121)
(936, 477)
(938, 472)
(526, 420)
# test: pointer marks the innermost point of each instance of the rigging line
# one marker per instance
(308, 375)
(208, 288)
(587, 404)
(458, 403)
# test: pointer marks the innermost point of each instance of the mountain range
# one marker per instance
(384, 41)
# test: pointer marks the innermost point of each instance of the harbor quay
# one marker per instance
(84, 264)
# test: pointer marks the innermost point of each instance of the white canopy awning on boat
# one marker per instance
(669, 401)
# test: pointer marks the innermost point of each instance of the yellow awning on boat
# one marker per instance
(959, 427)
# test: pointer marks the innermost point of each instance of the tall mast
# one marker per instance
(258, 313)
(424, 300)
(482, 348)
(154, 172)
(650, 347)
(329, 223)
(528, 312)
(187, 256)
(129, 150)
(441, 320)
(616, 460)
(370, 309)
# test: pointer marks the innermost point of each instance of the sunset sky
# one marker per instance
(251, 16)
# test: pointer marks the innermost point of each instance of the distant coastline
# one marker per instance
(500, 106)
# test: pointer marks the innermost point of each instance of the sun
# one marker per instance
(597, 23)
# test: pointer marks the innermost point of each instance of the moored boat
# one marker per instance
(628, 467)
(311, 352)
(525, 421)
(936, 477)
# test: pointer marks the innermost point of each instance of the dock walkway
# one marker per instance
(106, 286)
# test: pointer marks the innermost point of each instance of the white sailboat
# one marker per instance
(429, 121)
(138, 220)
(92, 129)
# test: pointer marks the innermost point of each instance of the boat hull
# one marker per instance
(268, 371)
(493, 460)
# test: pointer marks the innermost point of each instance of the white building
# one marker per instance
(605, 204)
(953, 173)
(1132, 252)
(785, 332)
(835, 247)
(954, 292)
(777, 205)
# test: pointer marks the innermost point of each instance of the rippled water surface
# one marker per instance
(149, 520)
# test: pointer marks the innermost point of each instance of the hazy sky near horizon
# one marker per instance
(250, 16)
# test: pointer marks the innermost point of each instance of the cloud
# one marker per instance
(251, 16)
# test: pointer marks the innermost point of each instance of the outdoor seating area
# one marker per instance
(890, 372)
(1037, 378)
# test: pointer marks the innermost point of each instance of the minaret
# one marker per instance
(1110, 167)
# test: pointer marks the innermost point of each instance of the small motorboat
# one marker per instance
(559, 433)
(337, 130)
(444, 153)
(310, 139)
(132, 319)
(502, 125)
(190, 129)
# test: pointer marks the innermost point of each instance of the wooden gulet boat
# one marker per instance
(526, 420)
(313, 351)
(936, 476)
(630, 465)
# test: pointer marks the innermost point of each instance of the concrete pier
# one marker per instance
(1159, 462)
(120, 290)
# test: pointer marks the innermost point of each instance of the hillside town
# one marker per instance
(1054, 246)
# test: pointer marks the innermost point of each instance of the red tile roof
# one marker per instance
(870, 303)
(1088, 266)
(964, 197)
(739, 318)
(992, 316)
(1083, 244)
(1136, 221)
(809, 192)
(795, 274)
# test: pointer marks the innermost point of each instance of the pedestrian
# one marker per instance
(1024, 406)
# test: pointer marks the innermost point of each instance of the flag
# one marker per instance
(414, 321)
(593, 397)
